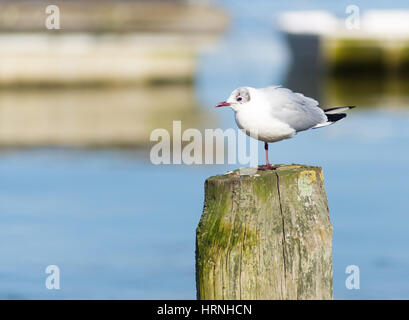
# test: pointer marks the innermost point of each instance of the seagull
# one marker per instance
(275, 113)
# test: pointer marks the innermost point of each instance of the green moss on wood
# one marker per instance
(266, 236)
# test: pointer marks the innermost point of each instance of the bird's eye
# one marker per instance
(239, 98)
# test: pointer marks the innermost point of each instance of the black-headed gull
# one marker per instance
(274, 113)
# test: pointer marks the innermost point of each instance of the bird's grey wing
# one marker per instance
(295, 109)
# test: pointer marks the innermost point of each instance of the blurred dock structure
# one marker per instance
(379, 43)
(365, 66)
(115, 70)
(104, 41)
(120, 117)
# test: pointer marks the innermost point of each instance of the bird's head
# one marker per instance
(237, 99)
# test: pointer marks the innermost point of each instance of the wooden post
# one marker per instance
(265, 236)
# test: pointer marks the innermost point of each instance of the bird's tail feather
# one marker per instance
(336, 110)
(333, 115)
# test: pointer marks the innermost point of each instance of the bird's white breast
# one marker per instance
(259, 124)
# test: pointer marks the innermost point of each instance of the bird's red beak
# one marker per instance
(223, 104)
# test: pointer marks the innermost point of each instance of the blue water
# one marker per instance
(119, 227)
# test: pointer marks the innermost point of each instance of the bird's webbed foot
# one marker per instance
(267, 167)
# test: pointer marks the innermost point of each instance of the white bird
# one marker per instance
(274, 113)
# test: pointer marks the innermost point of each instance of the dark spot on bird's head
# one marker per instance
(242, 95)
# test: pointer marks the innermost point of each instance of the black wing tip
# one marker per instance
(335, 117)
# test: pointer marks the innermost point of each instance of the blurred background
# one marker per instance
(77, 106)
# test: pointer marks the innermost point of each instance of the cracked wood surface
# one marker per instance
(265, 236)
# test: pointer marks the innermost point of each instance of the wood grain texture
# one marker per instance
(265, 236)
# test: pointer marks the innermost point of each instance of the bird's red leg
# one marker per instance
(266, 148)
(267, 166)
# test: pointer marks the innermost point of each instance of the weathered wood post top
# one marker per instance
(265, 236)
